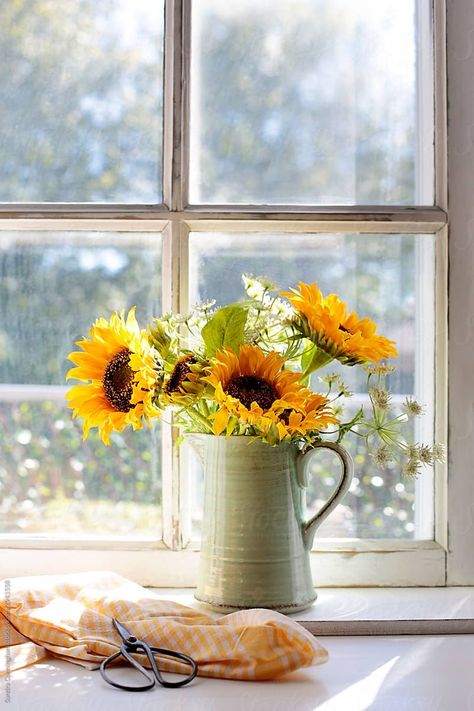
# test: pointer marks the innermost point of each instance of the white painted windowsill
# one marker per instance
(402, 671)
(380, 611)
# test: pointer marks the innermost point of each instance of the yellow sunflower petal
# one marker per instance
(342, 335)
(220, 421)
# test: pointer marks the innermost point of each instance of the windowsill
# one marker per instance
(375, 611)
(429, 671)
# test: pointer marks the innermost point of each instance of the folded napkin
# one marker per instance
(70, 616)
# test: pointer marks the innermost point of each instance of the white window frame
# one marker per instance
(172, 562)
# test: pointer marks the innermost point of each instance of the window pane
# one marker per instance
(388, 278)
(81, 101)
(52, 288)
(51, 482)
(311, 102)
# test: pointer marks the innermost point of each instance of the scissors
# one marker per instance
(131, 645)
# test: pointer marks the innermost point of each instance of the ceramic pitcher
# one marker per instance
(255, 537)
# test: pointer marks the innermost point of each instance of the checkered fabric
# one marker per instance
(70, 616)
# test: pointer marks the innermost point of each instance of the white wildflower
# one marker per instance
(282, 309)
(425, 454)
(329, 379)
(334, 380)
(379, 368)
(413, 451)
(382, 456)
(380, 397)
(205, 306)
(256, 287)
(411, 468)
(412, 407)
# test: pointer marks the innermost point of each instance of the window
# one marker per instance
(53, 482)
(382, 277)
(81, 108)
(152, 153)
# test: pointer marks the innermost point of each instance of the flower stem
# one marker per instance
(200, 418)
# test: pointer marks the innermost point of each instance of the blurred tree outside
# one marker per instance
(309, 102)
(53, 482)
(81, 101)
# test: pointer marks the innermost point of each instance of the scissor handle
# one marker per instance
(132, 645)
(151, 651)
(123, 653)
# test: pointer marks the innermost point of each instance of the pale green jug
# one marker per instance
(255, 539)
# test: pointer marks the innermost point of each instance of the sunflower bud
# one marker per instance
(185, 384)
(159, 338)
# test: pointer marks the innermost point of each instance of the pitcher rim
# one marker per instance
(230, 437)
(241, 438)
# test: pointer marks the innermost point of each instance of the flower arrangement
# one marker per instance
(245, 369)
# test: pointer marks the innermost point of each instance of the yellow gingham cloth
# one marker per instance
(70, 616)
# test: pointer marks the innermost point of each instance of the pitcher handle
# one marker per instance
(347, 471)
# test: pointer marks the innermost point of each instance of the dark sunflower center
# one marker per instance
(249, 389)
(118, 381)
(180, 372)
(285, 416)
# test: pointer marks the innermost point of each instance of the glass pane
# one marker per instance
(388, 278)
(52, 288)
(321, 102)
(81, 101)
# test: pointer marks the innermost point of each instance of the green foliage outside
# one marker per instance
(293, 107)
(53, 482)
(80, 101)
(54, 285)
(380, 504)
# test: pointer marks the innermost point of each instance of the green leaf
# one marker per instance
(313, 359)
(225, 329)
(307, 357)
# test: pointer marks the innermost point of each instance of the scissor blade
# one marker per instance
(123, 632)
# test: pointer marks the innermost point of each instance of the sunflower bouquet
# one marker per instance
(245, 369)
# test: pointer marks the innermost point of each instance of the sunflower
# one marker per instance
(335, 332)
(252, 389)
(185, 383)
(117, 365)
